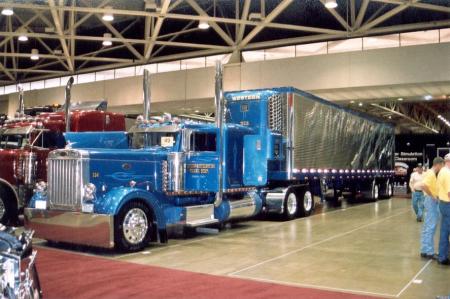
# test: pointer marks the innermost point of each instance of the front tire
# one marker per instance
(133, 227)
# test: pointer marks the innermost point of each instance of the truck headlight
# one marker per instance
(89, 191)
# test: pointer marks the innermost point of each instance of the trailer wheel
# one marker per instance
(133, 226)
(291, 205)
(374, 192)
(307, 206)
(388, 190)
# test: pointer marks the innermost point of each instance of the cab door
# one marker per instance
(201, 161)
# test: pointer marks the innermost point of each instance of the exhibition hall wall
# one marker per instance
(321, 74)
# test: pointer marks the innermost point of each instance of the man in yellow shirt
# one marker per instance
(443, 184)
(431, 204)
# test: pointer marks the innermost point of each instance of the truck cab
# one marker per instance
(24, 146)
(127, 188)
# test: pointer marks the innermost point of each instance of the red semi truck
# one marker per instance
(25, 142)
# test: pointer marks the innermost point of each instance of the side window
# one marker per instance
(50, 140)
(203, 142)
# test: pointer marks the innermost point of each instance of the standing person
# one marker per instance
(415, 184)
(443, 184)
(431, 204)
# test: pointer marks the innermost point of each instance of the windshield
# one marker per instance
(149, 139)
(14, 141)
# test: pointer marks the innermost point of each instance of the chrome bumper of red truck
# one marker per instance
(71, 227)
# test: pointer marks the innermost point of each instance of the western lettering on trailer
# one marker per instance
(200, 168)
(246, 97)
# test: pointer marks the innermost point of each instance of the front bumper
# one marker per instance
(71, 227)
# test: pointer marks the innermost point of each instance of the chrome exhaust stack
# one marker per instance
(147, 95)
(67, 102)
(219, 103)
(21, 102)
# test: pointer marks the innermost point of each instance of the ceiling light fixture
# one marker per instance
(360, 104)
(107, 16)
(34, 54)
(7, 11)
(330, 4)
(428, 97)
(400, 99)
(107, 41)
(352, 102)
(22, 37)
(203, 25)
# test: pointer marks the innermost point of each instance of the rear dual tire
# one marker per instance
(298, 202)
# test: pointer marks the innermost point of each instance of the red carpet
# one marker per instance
(69, 275)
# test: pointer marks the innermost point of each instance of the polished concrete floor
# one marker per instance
(370, 248)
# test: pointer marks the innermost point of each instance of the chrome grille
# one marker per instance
(68, 172)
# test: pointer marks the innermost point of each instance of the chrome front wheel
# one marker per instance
(135, 226)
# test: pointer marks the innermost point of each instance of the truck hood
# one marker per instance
(148, 154)
(110, 168)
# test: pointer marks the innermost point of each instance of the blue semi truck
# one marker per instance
(270, 150)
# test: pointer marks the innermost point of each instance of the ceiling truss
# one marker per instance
(67, 18)
(410, 117)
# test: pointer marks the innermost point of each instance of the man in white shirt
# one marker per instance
(415, 184)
